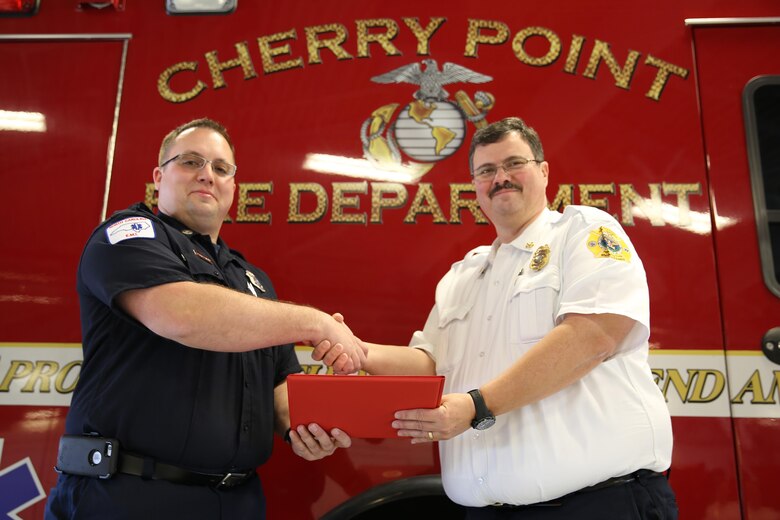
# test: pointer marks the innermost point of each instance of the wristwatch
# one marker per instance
(484, 418)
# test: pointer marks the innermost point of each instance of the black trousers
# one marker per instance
(125, 497)
(645, 498)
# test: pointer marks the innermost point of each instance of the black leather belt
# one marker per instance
(148, 468)
(614, 481)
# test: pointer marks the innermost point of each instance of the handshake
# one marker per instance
(338, 347)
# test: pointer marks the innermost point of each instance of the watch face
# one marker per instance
(485, 423)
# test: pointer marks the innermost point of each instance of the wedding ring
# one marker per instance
(430, 436)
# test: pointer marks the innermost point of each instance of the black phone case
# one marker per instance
(87, 455)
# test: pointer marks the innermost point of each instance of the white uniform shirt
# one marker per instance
(492, 307)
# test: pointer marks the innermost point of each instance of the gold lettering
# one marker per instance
(268, 53)
(475, 37)
(340, 201)
(587, 189)
(662, 76)
(43, 372)
(753, 386)
(683, 204)
(652, 207)
(314, 44)
(59, 383)
(552, 53)
(245, 200)
(676, 380)
(573, 57)
(164, 83)
(243, 60)
(150, 196)
(295, 215)
(383, 39)
(471, 204)
(775, 386)
(16, 370)
(423, 35)
(601, 52)
(564, 197)
(425, 202)
(719, 383)
(379, 201)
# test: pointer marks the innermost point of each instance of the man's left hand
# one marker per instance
(449, 420)
(314, 443)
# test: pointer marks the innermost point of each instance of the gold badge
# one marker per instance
(541, 258)
(254, 281)
(604, 243)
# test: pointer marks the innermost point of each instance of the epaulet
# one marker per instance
(589, 214)
(136, 209)
(476, 255)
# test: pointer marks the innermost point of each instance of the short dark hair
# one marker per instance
(203, 122)
(495, 132)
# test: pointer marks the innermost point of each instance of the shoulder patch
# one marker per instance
(604, 243)
(131, 227)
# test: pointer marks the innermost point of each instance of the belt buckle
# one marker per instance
(230, 480)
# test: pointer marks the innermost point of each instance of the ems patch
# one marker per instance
(604, 243)
(131, 227)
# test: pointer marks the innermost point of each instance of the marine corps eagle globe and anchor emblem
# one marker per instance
(431, 127)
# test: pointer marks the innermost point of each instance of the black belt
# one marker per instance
(614, 481)
(148, 468)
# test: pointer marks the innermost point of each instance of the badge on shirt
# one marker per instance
(131, 227)
(253, 281)
(541, 258)
(604, 243)
(202, 256)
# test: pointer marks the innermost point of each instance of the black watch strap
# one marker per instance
(483, 418)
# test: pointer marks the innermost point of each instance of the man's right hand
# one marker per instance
(339, 348)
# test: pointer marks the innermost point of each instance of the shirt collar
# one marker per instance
(192, 235)
(531, 237)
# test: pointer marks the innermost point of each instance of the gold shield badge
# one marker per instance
(541, 258)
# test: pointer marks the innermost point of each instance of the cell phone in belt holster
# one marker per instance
(87, 455)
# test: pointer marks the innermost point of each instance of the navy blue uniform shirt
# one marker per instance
(203, 410)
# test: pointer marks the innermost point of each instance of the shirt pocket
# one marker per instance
(533, 304)
(452, 336)
(201, 269)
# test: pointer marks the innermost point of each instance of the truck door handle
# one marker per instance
(770, 344)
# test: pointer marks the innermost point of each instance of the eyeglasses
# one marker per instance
(195, 162)
(488, 173)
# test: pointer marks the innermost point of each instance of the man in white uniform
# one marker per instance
(550, 409)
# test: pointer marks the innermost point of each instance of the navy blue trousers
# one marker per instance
(125, 497)
(645, 498)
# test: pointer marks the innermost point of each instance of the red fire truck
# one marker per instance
(665, 114)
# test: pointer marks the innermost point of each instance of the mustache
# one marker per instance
(506, 185)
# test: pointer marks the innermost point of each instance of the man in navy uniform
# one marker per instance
(186, 353)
